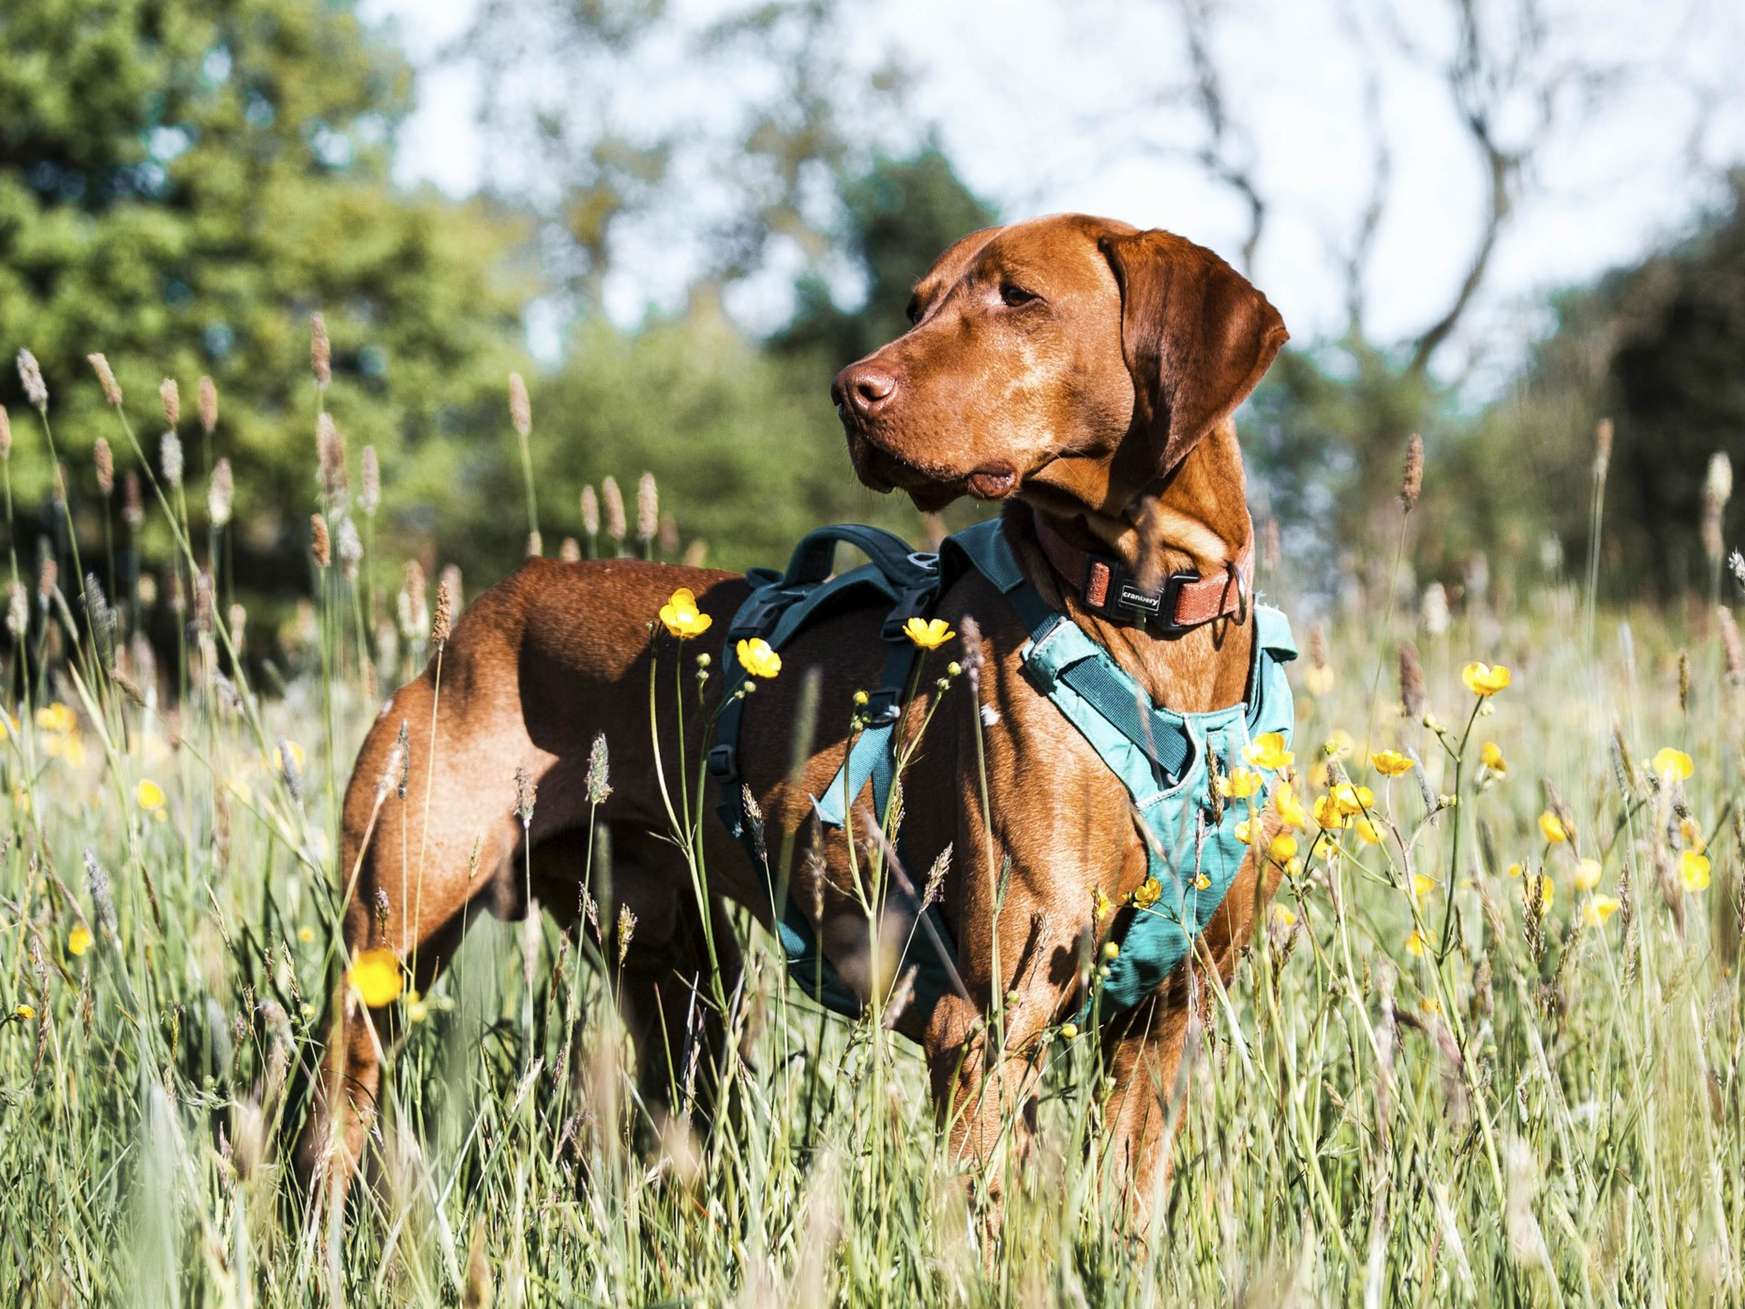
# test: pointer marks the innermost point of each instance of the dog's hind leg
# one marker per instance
(409, 883)
(675, 972)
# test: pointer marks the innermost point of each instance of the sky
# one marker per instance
(1047, 106)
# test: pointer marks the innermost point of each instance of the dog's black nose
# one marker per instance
(863, 387)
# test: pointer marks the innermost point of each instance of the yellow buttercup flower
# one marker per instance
(1552, 827)
(681, 617)
(1328, 814)
(1147, 893)
(378, 977)
(1202, 883)
(1282, 917)
(1244, 831)
(1100, 904)
(928, 633)
(1484, 680)
(1490, 754)
(1352, 799)
(1692, 834)
(1240, 784)
(151, 796)
(25, 1012)
(1415, 943)
(417, 1008)
(305, 934)
(1268, 751)
(1422, 885)
(1693, 870)
(1367, 832)
(1514, 870)
(1673, 764)
(1430, 1005)
(57, 717)
(1598, 908)
(758, 659)
(1069, 1031)
(1391, 763)
(1290, 809)
(1283, 846)
(78, 940)
(1587, 874)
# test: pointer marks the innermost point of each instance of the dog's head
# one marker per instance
(1069, 360)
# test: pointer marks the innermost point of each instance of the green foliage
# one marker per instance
(745, 445)
(898, 217)
(181, 185)
(1656, 347)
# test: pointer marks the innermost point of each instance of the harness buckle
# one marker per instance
(882, 706)
(723, 763)
(761, 613)
(914, 602)
(1168, 601)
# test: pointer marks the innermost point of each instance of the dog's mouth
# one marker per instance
(930, 489)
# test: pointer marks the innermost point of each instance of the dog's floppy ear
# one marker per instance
(1196, 335)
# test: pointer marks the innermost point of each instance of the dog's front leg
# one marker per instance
(1144, 1049)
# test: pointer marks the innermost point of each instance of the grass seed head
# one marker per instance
(520, 410)
(350, 547)
(132, 503)
(1412, 696)
(330, 453)
(172, 398)
(5, 435)
(439, 626)
(170, 455)
(569, 550)
(370, 492)
(613, 500)
(451, 581)
(1412, 476)
(102, 898)
(590, 512)
(1602, 448)
(1731, 646)
(48, 577)
(526, 794)
(104, 458)
(318, 540)
(106, 378)
(221, 494)
(207, 404)
(17, 608)
(598, 785)
(30, 374)
(320, 350)
(647, 508)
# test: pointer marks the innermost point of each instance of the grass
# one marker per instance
(1549, 1112)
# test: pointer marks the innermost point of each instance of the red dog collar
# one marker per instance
(1109, 589)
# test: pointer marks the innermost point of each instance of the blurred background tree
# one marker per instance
(181, 186)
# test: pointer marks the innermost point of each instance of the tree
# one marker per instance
(897, 218)
(1656, 348)
(181, 186)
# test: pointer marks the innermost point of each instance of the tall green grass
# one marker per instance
(1549, 1112)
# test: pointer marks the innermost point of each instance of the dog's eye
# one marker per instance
(1013, 296)
(914, 309)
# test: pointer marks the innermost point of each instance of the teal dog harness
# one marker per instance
(1170, 763)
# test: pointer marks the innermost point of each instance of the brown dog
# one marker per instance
(1084, 371)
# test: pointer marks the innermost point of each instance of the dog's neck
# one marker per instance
(1195, 519)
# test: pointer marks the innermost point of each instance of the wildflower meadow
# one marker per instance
(1486, 1049)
